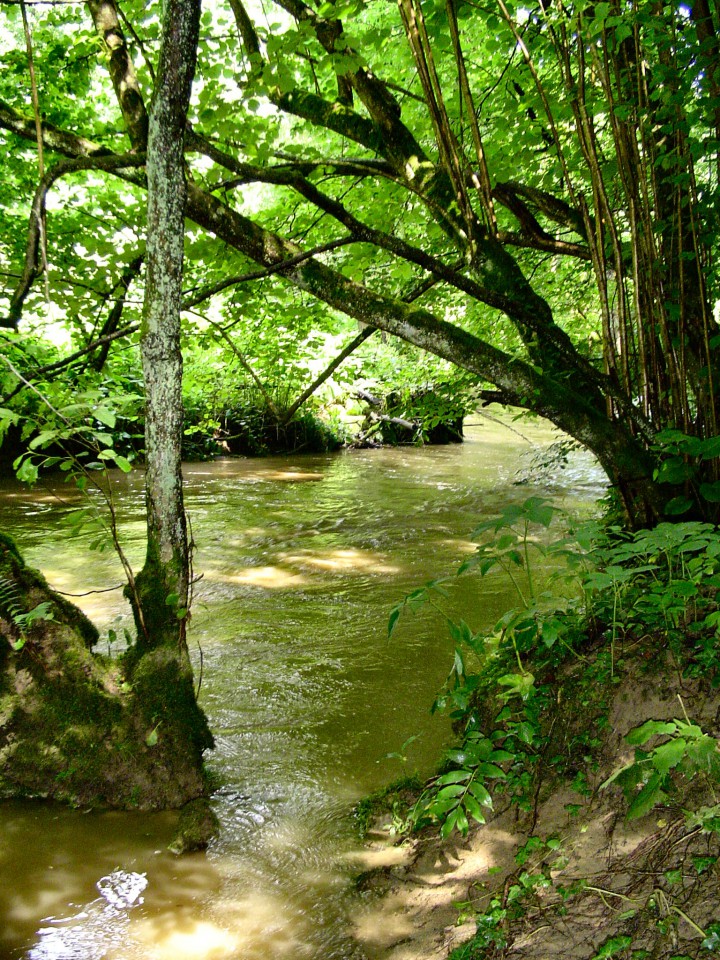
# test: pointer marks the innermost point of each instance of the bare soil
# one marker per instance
(651, 881)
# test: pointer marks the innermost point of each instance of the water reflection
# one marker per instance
(302, 561)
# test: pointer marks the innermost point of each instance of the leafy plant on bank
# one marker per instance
(535, 860)
(661, 582)
(647, 781)
(12, 609)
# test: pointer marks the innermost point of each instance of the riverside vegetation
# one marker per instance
(603, 617)
(518, 199)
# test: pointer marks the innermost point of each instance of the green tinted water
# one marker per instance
(301, 561)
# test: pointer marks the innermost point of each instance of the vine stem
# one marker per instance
(39, 137)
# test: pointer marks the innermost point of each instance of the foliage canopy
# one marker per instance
(528, 191)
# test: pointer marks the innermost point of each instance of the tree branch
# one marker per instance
(130, 273)
(69, 360)
(246, 366)
(214, 288)
(55, 139)
(564, 401)
(556, 210)
(122, 72)
(112, 163)
(328, 372)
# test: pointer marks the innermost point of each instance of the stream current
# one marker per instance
(301, 560)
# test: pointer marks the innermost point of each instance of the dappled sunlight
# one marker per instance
(179, 936)
(344, 561)
(423, 904)
(459, 546)
(297, 566)
(291, 476)
(273, 578)
(381, 856)
(385, 924)
(254, 926)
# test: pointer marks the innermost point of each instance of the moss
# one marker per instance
(388, 800)
(197, 826)
(163, 686)
(68, 732)
(33, 585)
(7, 543)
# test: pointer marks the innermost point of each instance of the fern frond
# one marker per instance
(11, 602)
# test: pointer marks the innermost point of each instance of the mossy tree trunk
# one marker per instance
(159, 668)
(71, 728)
(163, 584)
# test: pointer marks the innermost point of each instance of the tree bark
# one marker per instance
(158, 666)
(70, 728)
(163, 584)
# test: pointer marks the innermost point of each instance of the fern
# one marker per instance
(10, 605)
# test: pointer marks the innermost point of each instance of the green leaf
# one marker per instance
(651, 728)
(456, 821)
(473, 808)
(674, 471)
(43, 439)
(677, 506)
(538, 510)
(477, 790)
(450, 791)
(710, 491)
(27, 472)
(502, 756)
(615, 944)
(455, 776)
(525, 732)
(710, 448)
(650, 796)
(491, 770)
(152, 738)
(668, 755)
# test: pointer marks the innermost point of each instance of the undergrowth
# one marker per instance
(529, 702)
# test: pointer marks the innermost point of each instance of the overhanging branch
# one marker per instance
(113, 163)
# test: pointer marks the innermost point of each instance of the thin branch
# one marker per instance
(328, 372)
(69, 360)
(38, 135)
(129, 274)
(32, 268)
(54, 138)
(141, 46)
(246, 366)
(210, 291)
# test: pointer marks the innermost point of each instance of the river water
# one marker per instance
(301, 560)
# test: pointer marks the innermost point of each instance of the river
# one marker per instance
(301, 560)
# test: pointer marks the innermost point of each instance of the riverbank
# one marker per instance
(571, 876)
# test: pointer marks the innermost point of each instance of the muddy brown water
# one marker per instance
(301, 560)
